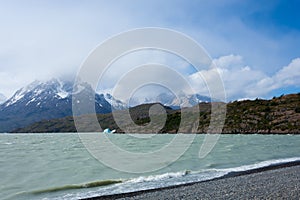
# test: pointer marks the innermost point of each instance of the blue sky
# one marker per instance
(255, 43)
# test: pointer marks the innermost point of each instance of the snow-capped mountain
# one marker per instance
(115, 103)
(48, 100)
(39, 94)
(53, 99)
(185, 100)
(170, 100)
(2, 98)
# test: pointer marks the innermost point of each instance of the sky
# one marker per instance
(255, 44)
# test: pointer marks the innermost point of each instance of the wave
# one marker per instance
(188, 176)
(262, 164)
(101, 183)
(78, 186)
(168, 179)
(159, 177)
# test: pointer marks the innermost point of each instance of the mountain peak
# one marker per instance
(115, 103)
(50, 99)
(36, 89)
(171, 100)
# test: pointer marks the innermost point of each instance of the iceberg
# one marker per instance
(107, 130)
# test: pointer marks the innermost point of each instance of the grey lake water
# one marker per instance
(58, 166)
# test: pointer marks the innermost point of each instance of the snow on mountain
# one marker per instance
(2, 98)
(53, 99)
(39, 91)
(115, 103)
(189, 100)
(168, 99)
(47, 100)
(44, 92)
(20, 94)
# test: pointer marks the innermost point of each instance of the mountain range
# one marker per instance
(172, 101)
(279, 115)
(45, 100)
(53, 99)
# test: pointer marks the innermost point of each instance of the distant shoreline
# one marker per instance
(275, 181)
(116, 133)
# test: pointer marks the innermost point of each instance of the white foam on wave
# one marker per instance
(170, 179)
(260, 164)
(159, 177)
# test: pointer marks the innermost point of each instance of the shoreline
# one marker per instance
(122, 133)
(281, 180)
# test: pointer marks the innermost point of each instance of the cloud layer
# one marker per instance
(41, 40)
(241, 81)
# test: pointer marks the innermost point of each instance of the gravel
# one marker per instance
(275, 183)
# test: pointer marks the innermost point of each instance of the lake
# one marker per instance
(59, 166)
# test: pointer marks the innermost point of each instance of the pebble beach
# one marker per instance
(274, 182)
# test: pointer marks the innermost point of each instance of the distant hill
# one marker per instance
(280, 115)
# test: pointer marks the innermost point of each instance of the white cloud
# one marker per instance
(229, 61)
(41, 40)
(287, 76)
(241, 81)
(50, 39)
(127, 64)
(151, 79)
(290, 75)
